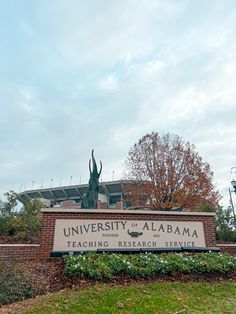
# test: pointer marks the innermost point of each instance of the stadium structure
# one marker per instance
(111, 195)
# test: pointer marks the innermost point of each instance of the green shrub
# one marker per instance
(24, 224)
(225, 222)
(8, 223)
(106, 266)
(14, 286)
(226, 236)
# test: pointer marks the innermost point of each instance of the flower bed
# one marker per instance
(36, 277)
(108, 266)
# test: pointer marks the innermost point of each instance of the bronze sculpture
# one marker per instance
(90, 198)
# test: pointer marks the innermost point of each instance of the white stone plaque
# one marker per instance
(90, 235)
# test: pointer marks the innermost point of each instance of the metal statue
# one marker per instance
(90, 198)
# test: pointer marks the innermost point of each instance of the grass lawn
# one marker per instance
(149, 298)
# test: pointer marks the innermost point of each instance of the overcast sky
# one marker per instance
(77, 75)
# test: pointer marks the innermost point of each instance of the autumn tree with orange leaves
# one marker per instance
(167, 173)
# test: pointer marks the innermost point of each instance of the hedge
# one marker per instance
(106, 266)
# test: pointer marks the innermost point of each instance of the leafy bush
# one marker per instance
(29, 219)
(225, 222)
(106, 266)
(23, 224)
(8, 223)
(226, 236)
(14, 286)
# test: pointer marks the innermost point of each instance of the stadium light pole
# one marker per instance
(21, 186)
(233, 183)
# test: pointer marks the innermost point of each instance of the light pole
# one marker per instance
(21, 186)
(233, 183)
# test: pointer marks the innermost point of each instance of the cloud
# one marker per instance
(99, 34)
(102, 74)
(108, 83)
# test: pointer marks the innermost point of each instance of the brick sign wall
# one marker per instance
(227, 248)
(19, 252)
(51, 215)
(9, 252)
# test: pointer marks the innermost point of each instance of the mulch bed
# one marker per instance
(47, 276)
